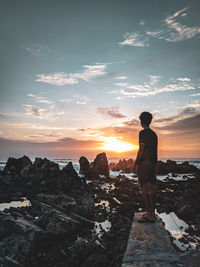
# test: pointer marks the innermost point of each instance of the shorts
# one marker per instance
(146, 172)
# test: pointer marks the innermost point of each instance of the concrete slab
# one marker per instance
(149, 244)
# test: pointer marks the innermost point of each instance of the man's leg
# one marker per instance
(145, 197)
(152, 199)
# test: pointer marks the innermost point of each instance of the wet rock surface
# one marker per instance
(76, 222)
(182, 198)
(69, 222)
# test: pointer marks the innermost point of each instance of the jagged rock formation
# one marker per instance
(84, 166)
(14, 165)
(98, 167)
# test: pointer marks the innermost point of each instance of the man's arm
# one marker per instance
(139, 157)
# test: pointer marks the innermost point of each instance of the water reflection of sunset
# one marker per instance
(115, 144)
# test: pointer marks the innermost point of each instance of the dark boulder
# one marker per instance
(84, 166)
(56, 222)
(69, 170)
(14, 166)
(100, 166)
(69, 180)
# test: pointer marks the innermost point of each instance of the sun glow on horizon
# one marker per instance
(116, 145)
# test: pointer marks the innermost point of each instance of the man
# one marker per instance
(145, 164)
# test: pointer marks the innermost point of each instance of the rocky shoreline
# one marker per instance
(82, 220)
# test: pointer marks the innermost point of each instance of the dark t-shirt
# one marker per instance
(149, 138)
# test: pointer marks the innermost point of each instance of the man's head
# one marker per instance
(145, 119)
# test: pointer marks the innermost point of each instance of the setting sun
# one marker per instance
(114, 144)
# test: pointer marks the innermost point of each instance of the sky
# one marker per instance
(75, 76)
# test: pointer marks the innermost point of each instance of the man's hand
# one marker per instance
(135, 168)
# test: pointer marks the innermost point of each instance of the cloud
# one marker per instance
(179, 32)
(82, 100)
(78, 99)
(121, 78)
(170, 30)
(134, 39)
(174, 31)
(142, 22)
(92, 71)
(121, 84)
(184, 79)
(111, 112)
(197, 94)
(40, 99)
(133, 122)
(154, 79)
(89, 72)
(36, 50)
(36, 111)
(152, 88)
(4, 117)
(60, 148)
(41, 112)
(186, 119)
(60, 79)
(184, 124)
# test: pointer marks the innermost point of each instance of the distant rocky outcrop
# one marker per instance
(162, 168)
(98, 167)
(170, 166)
(123, 165)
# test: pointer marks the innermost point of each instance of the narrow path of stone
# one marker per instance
(149, 244)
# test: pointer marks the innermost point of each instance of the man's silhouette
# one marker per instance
(145, 166)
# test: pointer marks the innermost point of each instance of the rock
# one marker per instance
(56, 222)
(16, 237)
(123, 165)
(69, 179)
(84, 166)
(14, 165)
(97, 260)
(186, 212)
(162, 168)
(49, 169)
(26, 171)
(69, 170)
(38, 163)
(172, 167)
(100, 166)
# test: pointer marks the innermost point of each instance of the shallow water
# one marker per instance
(177, 229)
(100, 227)
(108, 187)
(15, 204)
(104, 204)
